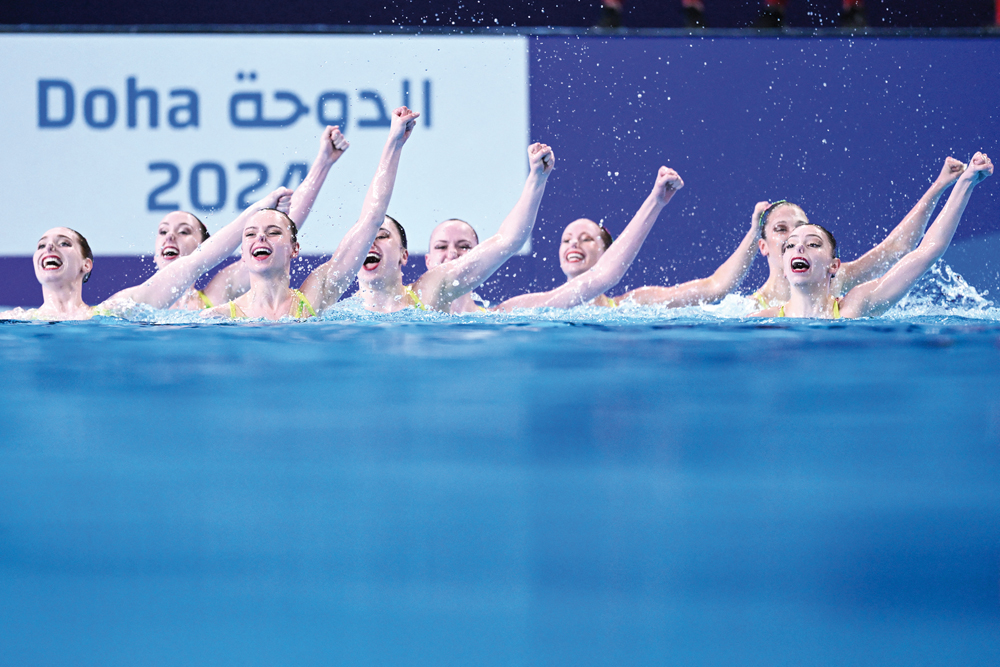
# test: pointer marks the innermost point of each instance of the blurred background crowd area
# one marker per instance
(609, 14)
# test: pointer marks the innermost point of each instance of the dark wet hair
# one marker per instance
(201, 226)
(827, 232)
(770, 209)
(402, 232)
(84, 250)
(606, 236)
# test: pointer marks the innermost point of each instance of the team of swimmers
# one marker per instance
(806, 276)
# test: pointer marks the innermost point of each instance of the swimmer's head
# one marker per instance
(449, 240)
(777, 221)
(62, 255)
(270, 242)
(178, 235)
(387, 255)
(583, 243)
(809, 253)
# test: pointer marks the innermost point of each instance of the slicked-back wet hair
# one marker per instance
(201, 226)
(606, 236)
(402, 232)
(771, 209)
(827, 232)
(84, 250)
(292, 227)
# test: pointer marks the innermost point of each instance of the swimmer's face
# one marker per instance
(581, 247)
(779, 225)
(386, 256)
(177, 235)
(267, 243)
(59, 257)
(449, 240)
(808, 256)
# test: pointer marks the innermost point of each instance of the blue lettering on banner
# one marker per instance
(243, 199)
(255, 102)
(45, 118)
(173, 176)
(208, 184)
(57, 107)
(194, 185)
(331, 96)
(110, 108)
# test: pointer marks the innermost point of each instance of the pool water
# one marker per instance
(576, 487)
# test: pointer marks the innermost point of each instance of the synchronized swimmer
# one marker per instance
(806, 276)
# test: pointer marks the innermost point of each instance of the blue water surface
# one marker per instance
(583, 488)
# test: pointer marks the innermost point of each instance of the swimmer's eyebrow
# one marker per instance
(56, 237)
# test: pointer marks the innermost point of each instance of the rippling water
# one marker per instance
(570, 487)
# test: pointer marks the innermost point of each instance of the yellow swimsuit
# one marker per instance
(760, 299)
(836, 310)
(417, 303)
(300, 305)
(205, 301)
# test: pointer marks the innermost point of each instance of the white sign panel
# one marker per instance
(106, 133)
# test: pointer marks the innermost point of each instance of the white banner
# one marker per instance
(106, 133)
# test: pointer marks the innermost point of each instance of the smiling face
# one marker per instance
(779, 224)
(450, 239)
(268, 246)
(808, 256)
(179, 234)
(581, 247)
(386, 257)
(60, 257)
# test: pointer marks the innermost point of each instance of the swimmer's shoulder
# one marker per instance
(773, 311)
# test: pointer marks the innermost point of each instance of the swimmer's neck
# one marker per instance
(384, 295)
(268, 291)
(810, 301)
(63, 299)
(776, 289)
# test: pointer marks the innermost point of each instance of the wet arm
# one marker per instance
(168, 284)
(904, 237)
(449, 281)
(325, 285)
(876, 296)
(706, 290)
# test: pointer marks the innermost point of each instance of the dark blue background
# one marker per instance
(465, 13)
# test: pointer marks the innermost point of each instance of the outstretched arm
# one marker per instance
(168, 284)
(325, 285)
(447, 282)
(905, 236)
(706, 290)
(615, 261)
(234, 280)
(877, 296)
(331, 146)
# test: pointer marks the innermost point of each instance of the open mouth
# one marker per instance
(372, 261)
(170, 253)
(259, 253)
(51, 263)
(799, 265)
(574, 256)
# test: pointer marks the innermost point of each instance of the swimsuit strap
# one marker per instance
(611, 303)
(781, 311)
(760, 299)
(417, 303)
(205, 301)
(301, 304)
(836, 309)
(235, 312)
